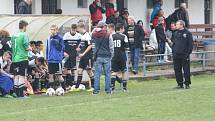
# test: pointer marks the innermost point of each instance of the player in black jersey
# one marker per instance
(118, 63)
(86, 62)
(72, 41)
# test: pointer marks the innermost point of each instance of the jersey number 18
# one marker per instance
(117, 43)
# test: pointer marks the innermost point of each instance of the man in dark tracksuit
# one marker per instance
(181, 14)
(182, 48)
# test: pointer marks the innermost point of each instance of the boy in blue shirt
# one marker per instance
(54, 56)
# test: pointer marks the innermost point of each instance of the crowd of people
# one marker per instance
(26, 70)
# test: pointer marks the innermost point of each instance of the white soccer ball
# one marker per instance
(82, 87)
(50, 92)
(60, 91)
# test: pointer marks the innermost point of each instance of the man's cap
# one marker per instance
(101, 24)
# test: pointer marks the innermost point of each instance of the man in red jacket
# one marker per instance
(110, 8)
(96, 12)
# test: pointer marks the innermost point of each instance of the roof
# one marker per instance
(38, 28)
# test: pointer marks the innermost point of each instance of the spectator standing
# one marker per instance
(161, 38)
(156, 9)
(109, 9)
(104, 51)
(113, 19)
(123, 18)
(181, 14)
(96, 11)
(24, 7)
(135, 39)
(182, 48)
(169, 33)
(140, 23)
(155, 20)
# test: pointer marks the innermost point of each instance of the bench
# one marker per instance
(201, 33)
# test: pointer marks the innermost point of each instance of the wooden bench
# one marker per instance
(201, 33)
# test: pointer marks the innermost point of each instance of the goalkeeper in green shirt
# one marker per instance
(20, 48)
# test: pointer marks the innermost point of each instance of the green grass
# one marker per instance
(145, 101)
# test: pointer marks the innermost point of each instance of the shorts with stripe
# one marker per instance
(86, 64)
(55, 68)
(19, 68)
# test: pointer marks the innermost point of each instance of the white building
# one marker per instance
(200, 11)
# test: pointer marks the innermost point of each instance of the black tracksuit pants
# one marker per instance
(179, 64)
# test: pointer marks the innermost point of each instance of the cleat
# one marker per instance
(8, 96)
(44, 90)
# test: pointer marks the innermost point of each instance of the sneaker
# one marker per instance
(187, 87)
(68, 88)
(95, 93)
(124, 90)
(14, 95)
(134, 72)
(90, 90)
(75, 90)
(44, 90)
(8, 96)
(109, 93)
(179, 87)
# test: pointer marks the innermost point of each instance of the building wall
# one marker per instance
(168, 7)
(139, 12)
(37, 7)
(196, 11)
(213, 12)
(6, 6)
(137, 8)
(70, 7)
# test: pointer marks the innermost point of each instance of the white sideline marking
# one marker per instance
(97, 102)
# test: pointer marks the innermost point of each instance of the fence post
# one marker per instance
(204, 60)
(144, 66)
(127, 65)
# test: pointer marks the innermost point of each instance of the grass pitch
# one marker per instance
(145, 101)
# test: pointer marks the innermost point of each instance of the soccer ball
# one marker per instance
(60, 91)
(82, 87)
(50, 92)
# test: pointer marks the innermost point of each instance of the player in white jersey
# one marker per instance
(86, 61)
(72, 41)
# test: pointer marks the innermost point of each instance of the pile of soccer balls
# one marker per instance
(58, 92)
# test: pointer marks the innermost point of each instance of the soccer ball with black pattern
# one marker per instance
(50, 92)
(60, 91)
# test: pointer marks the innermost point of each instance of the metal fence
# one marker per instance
(204, 57)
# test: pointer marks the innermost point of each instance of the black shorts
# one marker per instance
(118, 64)
(55, 68)
(86, 64)
(70, 63)
(19, 68)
